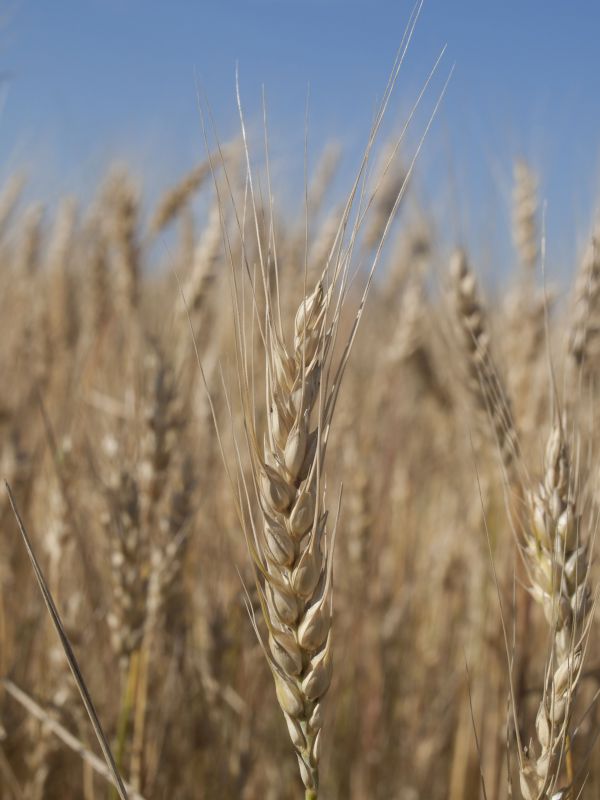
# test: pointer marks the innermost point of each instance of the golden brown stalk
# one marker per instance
(164, 586)
(65, 705)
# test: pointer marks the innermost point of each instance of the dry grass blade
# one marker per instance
(65, 736)
(73, 664)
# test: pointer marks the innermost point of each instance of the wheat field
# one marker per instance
(313, 509)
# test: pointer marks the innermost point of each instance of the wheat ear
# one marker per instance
(484, 383)
(556, 555)
(293, 553)
(584, 323)
(525, 208)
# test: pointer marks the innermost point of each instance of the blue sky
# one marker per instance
(90, 80)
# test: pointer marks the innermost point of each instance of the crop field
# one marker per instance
(302, 507)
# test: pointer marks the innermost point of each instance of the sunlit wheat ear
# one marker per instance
(207, 253)
(37, 342)
(290, 544)
(302, 245)
(411, 344)
(171, 541)
(525, 210)
(178, 197)
(483, 380)
(585, 322)
(323, 244)
(134, 499)
(122, 201)
(323, 176)
(281, 507)
(391, 177)
(98, 290)
(175, 199)
(555, 549)
(129, 563)
(410, 255)
(161, 416)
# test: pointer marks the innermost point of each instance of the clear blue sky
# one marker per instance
(89, 80)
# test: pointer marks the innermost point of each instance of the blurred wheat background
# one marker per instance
(204, 388)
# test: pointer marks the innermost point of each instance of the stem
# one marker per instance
(569, 760)
(127, 705)
(139, 716)
(310, 795)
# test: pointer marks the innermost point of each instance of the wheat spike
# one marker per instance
(483, 379)
(557, 557)
(525, 207)
(584, 322)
